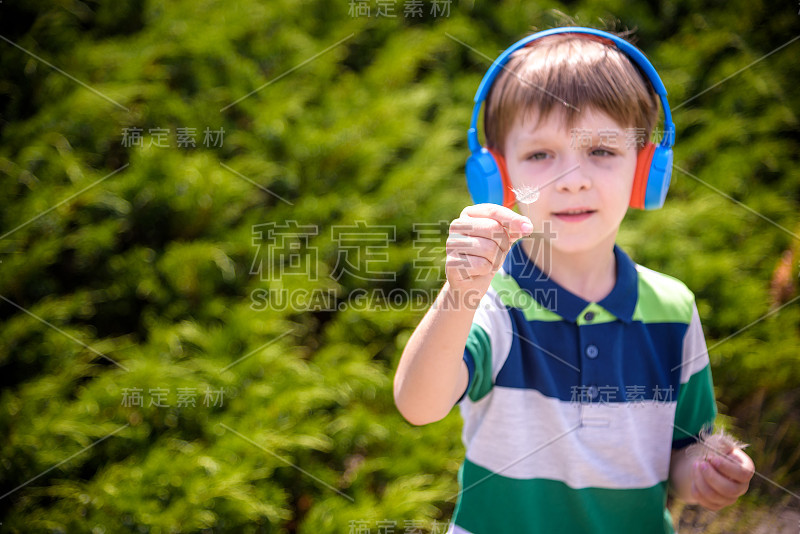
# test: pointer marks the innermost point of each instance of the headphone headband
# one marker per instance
(633, 53)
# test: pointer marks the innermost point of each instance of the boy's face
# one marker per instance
(584, 176)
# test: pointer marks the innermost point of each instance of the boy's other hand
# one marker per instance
(720, 481)
(478, 243)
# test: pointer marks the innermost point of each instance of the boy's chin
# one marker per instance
(577, 245)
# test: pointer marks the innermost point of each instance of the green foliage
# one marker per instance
(127, 267)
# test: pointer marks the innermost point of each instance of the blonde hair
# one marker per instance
(569, 73)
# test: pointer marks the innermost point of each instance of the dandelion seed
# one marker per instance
(526, 194)
(713, 445)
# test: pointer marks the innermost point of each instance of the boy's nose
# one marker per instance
(572, 177)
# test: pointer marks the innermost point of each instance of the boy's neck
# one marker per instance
(589, 274)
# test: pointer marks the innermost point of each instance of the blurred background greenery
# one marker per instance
(152, 381)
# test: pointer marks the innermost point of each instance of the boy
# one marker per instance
(580, 375)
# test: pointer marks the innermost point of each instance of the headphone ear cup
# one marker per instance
(659, 178)
(484, 178)
(641, 175)
(652, 177)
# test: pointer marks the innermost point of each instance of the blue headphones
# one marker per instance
(487, 176)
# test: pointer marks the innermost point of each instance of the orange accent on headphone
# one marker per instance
(509, 198)
(643, 161)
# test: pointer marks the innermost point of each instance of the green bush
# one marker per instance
(156, 268)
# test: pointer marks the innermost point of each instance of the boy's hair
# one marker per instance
(564, 72)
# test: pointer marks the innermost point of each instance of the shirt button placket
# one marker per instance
(590, 352)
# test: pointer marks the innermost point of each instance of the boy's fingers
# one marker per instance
(463, 267)
(469, 266)
(721, 483)
(707, 496)
(465, 228)
(460, 244)
(736, 466)
(516, 225)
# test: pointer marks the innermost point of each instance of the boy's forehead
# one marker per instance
(532, 125)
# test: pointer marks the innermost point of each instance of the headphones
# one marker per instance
(487, 175)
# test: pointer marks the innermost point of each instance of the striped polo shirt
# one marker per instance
(573, 407)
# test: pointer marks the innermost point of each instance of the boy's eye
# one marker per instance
(601, 152)
(537, 156)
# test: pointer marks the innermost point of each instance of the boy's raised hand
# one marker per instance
(478, 243)
(720, 481)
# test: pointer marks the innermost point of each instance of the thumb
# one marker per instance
(519, 227)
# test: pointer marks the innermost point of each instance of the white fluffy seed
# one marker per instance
(715, 445)
(526, 194)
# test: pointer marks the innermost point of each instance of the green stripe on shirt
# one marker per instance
(549, 506)
(480, 346)
(513, 296)
(662, 299)
(696, 407)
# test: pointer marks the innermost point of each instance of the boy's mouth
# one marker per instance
(574, 214)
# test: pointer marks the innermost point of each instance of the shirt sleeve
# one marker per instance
(470, 363)
(487, 346)
(696, 408)
(478, 357)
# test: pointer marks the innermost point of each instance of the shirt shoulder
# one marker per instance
(662, 298)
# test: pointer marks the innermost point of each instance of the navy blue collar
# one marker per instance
(621, 302)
